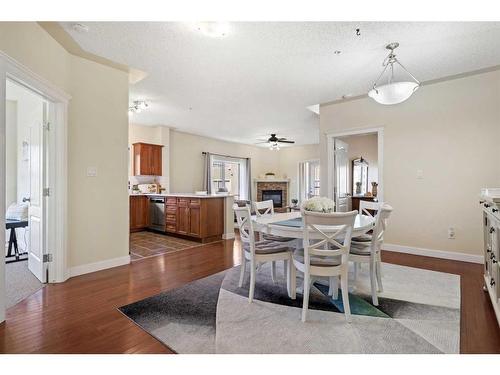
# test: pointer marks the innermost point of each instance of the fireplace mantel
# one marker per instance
(271, 180)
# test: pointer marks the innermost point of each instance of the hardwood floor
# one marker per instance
(81, 316)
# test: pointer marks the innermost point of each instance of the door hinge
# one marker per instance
(46, 192)
(46, 126)
(47, 258)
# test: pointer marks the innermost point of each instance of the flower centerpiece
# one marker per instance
(319, 204)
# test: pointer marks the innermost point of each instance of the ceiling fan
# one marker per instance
(275, 141)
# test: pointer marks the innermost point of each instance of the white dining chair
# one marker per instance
(364, 209)
(266, 208)
(369, 252)
(258, 252)
(327, 256)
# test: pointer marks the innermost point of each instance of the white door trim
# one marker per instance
(57, 204)
(380, 156)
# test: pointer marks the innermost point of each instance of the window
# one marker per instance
(230, 175)
(309, 179)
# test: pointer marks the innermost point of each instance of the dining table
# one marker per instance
(289, 224)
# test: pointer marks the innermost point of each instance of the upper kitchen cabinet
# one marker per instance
(147, 159)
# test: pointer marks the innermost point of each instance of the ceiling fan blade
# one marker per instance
(285, 141)
(259, 143)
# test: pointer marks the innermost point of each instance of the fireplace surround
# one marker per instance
(273, 186)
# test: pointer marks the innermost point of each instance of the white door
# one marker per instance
(36, 249)
(341, 174)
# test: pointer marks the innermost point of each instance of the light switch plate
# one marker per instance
(91, 171)
(420, 174)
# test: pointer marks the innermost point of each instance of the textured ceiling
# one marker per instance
(260, 78)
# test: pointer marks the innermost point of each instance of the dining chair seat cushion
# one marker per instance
(267, 247)
(272, 237)
(360, 248)
(363, 238)
(317, 260)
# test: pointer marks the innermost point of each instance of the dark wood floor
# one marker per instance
(81, 316)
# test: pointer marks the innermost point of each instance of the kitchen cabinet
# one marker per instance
(147, 159)
(197, 218)
(490, 202)
(139, 212)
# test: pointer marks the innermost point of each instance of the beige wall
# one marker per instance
(450, 131)
(186, 159)
(289, 159)
(365, 146)
(97, 136)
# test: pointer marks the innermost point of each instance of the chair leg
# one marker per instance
(242, 269)
(252, 281)
(335, 287)
(273, 271)
(330, 286)
(379, 275)
(373, 282)
(345, 295)
(293, 280)
(305, 302)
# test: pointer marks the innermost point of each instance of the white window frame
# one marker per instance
(299, 197)
(243, 170)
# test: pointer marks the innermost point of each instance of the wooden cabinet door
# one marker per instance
(194, 221)
(139, 212)
(147, 159)
(182, 216)
(156, 164)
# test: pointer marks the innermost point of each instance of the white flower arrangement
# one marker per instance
(319, 204)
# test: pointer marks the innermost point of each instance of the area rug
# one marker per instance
(418, 312)
(20, 283)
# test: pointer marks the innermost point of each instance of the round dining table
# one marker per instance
(289, 224)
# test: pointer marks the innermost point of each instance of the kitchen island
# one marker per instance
(205, 218)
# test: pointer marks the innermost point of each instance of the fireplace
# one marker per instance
(275, 195)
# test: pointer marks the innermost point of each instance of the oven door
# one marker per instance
(157, 213)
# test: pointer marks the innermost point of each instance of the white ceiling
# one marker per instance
(260, 78)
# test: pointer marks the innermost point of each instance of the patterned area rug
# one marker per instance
(418, 312)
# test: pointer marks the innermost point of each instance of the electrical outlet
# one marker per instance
(420, 174)
(451, 233)
(91, 171)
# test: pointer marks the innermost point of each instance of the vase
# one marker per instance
(374, 189)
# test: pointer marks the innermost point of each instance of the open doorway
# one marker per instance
(355, 168)
(26, 167)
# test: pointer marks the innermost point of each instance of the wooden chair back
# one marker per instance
(330, 243)
(245, 225)
(264, 208)
(366, 206)
(382, 217)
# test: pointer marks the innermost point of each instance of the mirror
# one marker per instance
(359, 177)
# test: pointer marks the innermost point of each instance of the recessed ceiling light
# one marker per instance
(213, 29)
(80, 28)
(337, 52)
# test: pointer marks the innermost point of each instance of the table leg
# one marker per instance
(12, 236)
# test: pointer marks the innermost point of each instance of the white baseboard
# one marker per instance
(98, 266)
(462, 257)
(228, 236)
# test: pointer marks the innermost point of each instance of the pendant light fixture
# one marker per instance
(393, 92)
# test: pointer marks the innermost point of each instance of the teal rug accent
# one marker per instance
(358, 305)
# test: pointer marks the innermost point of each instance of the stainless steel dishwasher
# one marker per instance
(157, 213)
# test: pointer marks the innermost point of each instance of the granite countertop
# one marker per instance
(184, 195)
